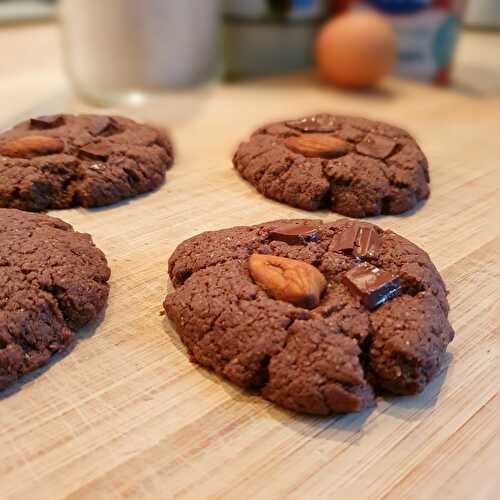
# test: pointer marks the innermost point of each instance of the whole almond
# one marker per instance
(30, 146)
(318, 145)
(290, 280)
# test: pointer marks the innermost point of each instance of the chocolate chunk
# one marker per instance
(317, 123)
(295, 234)
(345, 240)
(45, 122)
(362, 240)
(95, 151)
(374, 285)
(377, 146)
(102, 124)
(368, 242)
(350, 133)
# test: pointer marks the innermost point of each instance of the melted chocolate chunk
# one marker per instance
(102, 124)
(295, 234)
(373, 285)
(368, 242)
(362, 241)
(45, 122)
(95, 151)
(376, 146)
(318, 123)
(344, 241)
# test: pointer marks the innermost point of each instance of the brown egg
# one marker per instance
(356, 49)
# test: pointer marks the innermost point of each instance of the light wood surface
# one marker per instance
(125, 415)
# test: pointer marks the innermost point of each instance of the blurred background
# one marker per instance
(127, 51)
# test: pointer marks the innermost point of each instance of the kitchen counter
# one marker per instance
(125, 415)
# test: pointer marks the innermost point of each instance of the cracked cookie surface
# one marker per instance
(61, 161)
(53, 281)
(332, 358)
(380, 169)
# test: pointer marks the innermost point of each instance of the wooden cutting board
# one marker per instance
(125, 415)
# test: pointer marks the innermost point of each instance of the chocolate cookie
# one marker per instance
(62, 161)
(356, 167)
(317, 317)
(52, 281)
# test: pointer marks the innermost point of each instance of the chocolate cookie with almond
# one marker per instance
(62, 161)
(354, 166)
(317, 317)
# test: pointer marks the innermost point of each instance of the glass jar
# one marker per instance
(122, 51)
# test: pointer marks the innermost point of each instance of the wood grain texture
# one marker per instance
(125, 415)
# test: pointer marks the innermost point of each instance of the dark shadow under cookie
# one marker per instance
(315, 316)
(357, 167)
(53, 281)
(61, 161)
